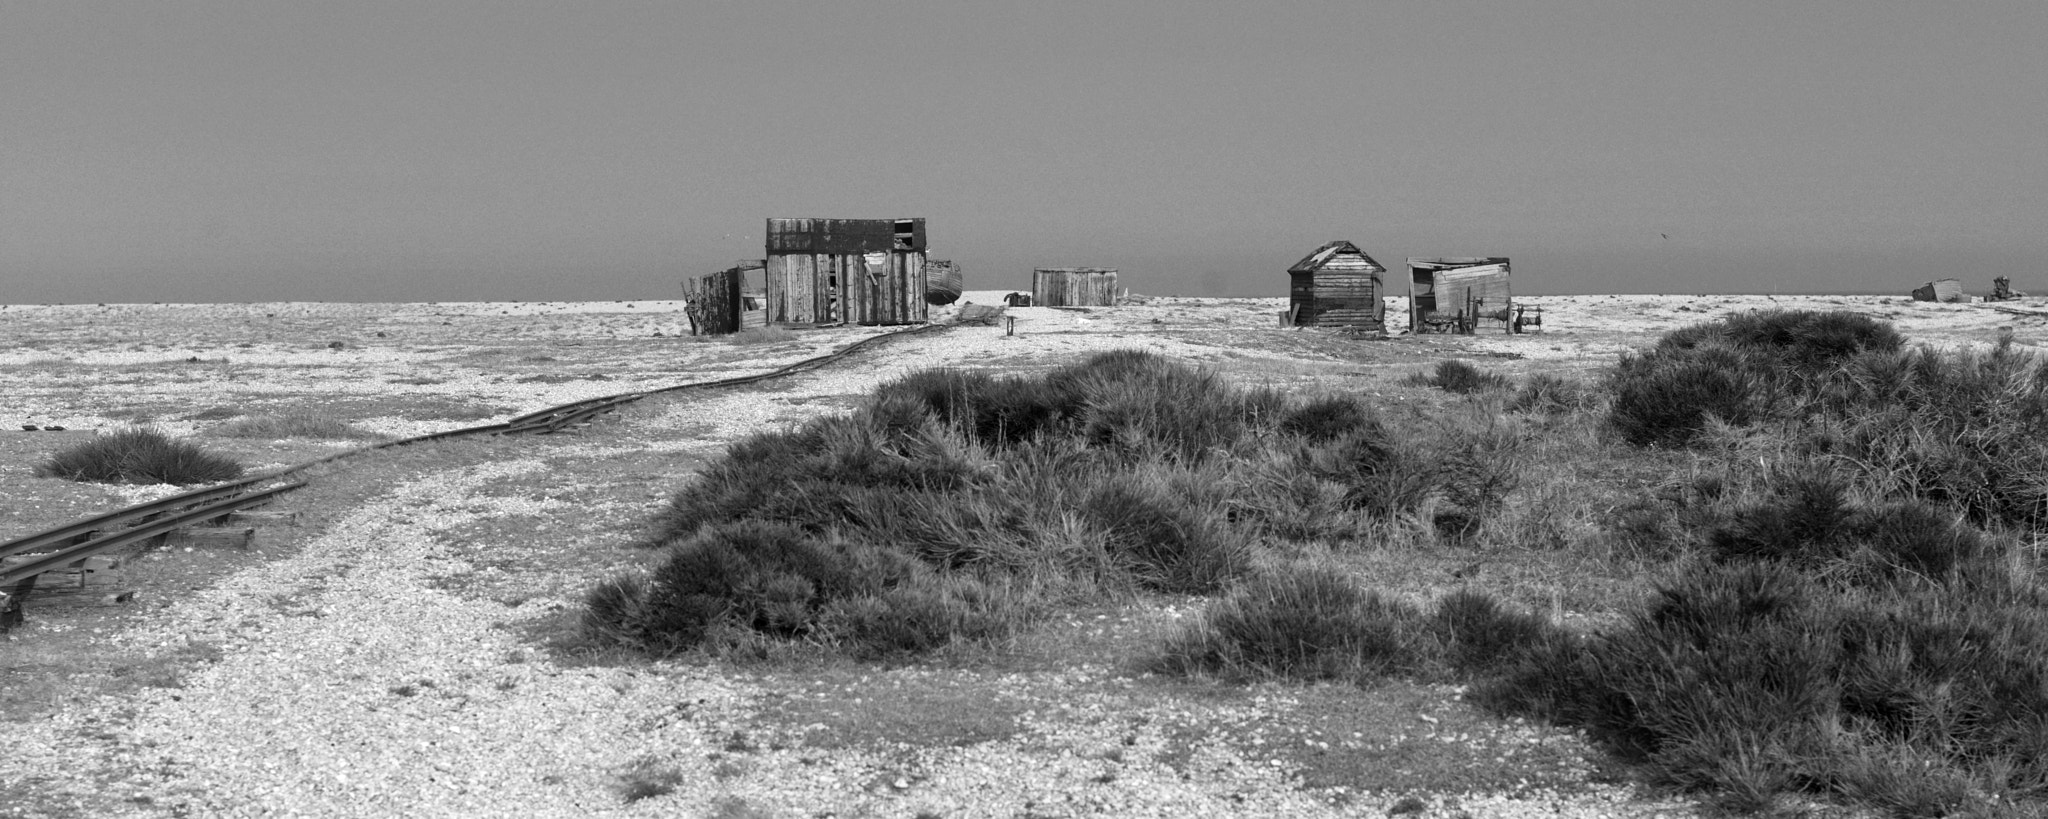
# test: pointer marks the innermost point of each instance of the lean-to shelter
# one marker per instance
(1459, 294)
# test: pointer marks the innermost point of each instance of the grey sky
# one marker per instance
(440, 150)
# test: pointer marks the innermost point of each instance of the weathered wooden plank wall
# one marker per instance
(1337, 286)
(1459, 293)
(867, 271)
(1344, 292)
(715, 302)
(1074, 287)
(1481, 293)
(885, 288)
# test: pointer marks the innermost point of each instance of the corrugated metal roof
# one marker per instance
(1442, 262)
(1323, 255)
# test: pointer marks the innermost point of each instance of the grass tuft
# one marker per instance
(294, 424)
(138, 456)
(1460, 377)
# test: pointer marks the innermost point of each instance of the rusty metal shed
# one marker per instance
(831, 271)
(1336, 286)
(1459, 294)
(1074, 287)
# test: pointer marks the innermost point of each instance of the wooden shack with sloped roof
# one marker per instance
(835, 271)
(1337, 286)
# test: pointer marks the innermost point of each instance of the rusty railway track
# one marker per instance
(71, 544)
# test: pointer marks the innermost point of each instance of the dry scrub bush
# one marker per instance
(1965, 428)
(138, 456)
(1810, 686)
(1459, 377)
(1744, 369)
(993, 497)
(1311, 622)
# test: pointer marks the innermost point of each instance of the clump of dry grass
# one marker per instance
(293, 424)
(140, 455)
(762, 336)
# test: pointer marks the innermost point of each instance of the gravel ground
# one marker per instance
(350, 678)
(348, 683)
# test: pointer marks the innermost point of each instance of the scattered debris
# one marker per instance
(2001, 290)
(1947, 291)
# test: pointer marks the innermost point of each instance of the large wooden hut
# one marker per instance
(833, 271)
(1336, 286)
(1073, 287)
(1459, 294)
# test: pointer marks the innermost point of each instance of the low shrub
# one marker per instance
(1964, 428)
(1122, 473)
(803, 476)
(138, 456)
(777, 581)
(1666, 399)
(1313, 622)
(992, 410)
(1811, 340)
(1146, 406)
(1379, 476)
(294, 424)
(1808, 520)
(1480, 634)
(1460, 377)
(1303, 622)
(1546, 394)
(1755, 680)
(1330, 417)
(614, 610)
(1164, 536)
(765, 335)
(1743, 369)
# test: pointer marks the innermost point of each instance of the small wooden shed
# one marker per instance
(1336, 286)
(1074, 287)
(1459, 294)
(832, 271)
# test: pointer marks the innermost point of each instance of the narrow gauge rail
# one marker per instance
(72, 543)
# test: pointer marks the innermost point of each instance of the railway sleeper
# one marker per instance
(99, 579)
